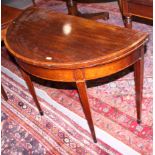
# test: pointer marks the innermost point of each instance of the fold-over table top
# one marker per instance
(45, 38)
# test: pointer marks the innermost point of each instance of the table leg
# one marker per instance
(31, 89)
(82, 89)
(4, 93)
(139, 74)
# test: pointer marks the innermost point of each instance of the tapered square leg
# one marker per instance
(138, 75)
(31, 89)
(82, 89)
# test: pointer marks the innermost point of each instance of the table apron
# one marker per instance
(89, 73)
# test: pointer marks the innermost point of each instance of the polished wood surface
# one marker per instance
(60, 47)
(56, 40)
(139, 8)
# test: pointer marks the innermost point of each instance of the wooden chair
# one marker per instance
(73, 10)
(139, 8)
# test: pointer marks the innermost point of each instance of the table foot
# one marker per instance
(139, 121)
(41, 113)
(31, 89)
(82, 89)
(138, 75)
(4, 93)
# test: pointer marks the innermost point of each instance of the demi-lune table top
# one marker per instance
(46, 38)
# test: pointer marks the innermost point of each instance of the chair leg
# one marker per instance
(31, 89)
(33, 1)
(82, 89)
(128, 22)
(4, 93)
(72, 7)
(73, 10)
(138, 75)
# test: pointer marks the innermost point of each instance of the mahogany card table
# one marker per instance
(66, 48)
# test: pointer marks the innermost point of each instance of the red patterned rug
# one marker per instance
(63, 129)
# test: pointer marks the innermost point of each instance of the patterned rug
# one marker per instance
(63, 129)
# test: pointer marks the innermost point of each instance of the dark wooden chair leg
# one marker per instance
(139, 74)
(73, 10)
(128, 22)
(4, 93)
(82, 89)
(31, 89)
(33, 1)
(72, 7)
